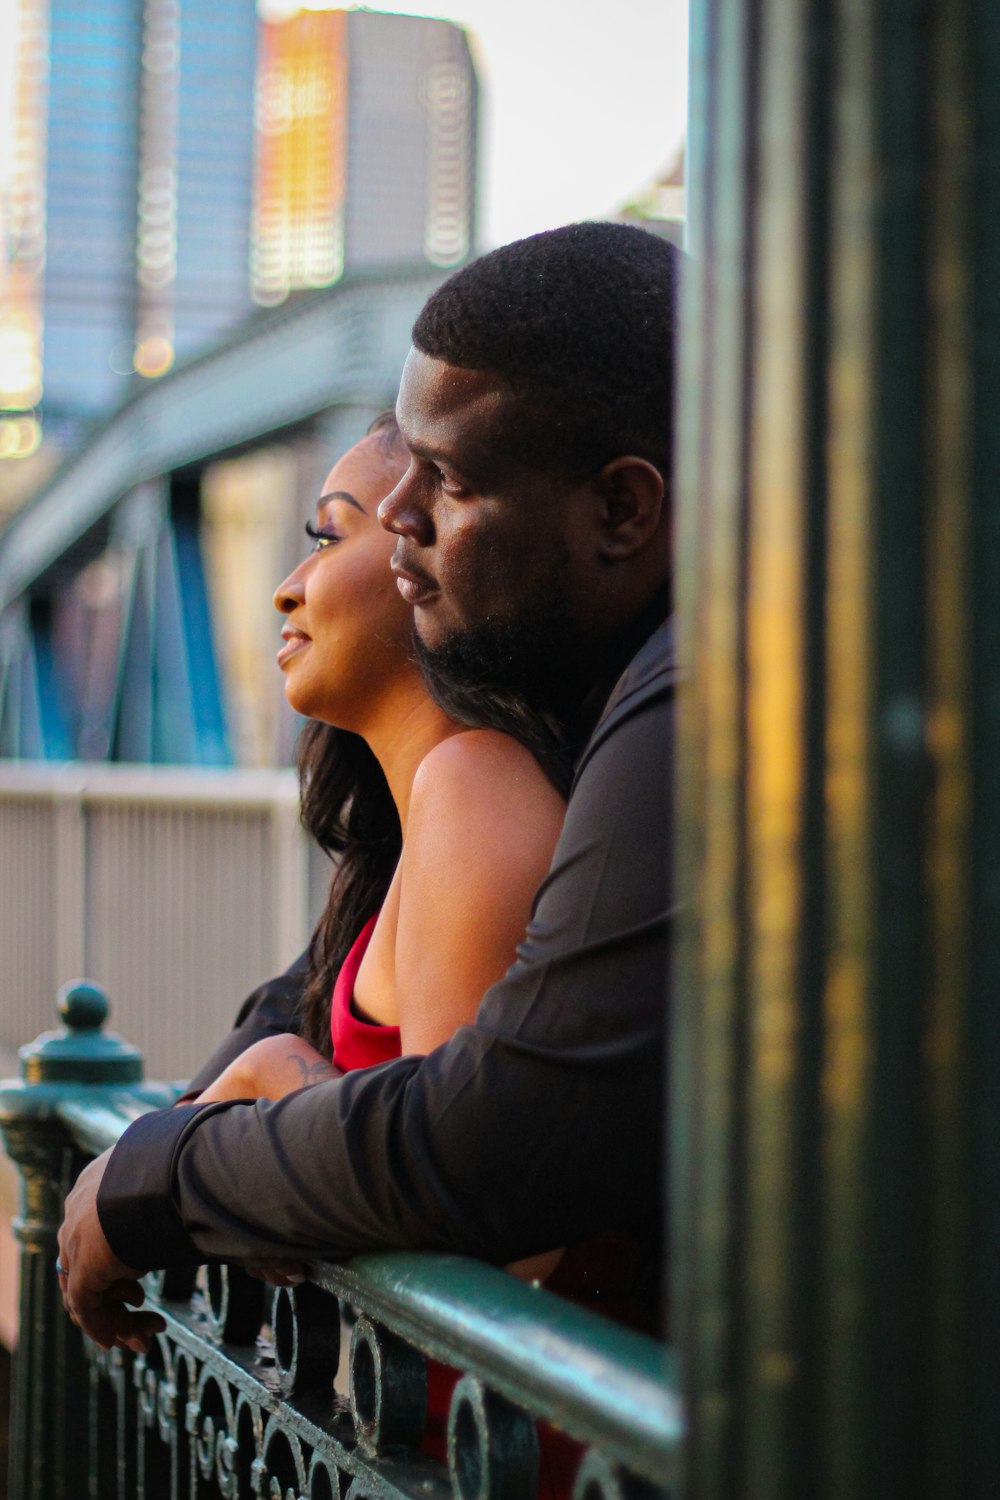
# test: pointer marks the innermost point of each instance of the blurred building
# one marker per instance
(660, 205)
(136, 615)
(127, 213)
(366, 132)
(170, 164)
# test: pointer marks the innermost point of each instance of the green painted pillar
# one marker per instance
(837, 1046)
(77, 1063)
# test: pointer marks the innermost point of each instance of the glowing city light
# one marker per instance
(156, 234)
(19, 436)
(154, 357)
(22, 228)
(301, 155)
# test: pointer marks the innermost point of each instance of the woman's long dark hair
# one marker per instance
(348, 809)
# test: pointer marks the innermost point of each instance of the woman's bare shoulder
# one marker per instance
(482, 824)
(483, 761)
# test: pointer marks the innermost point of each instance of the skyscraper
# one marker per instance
(200, 143)
(126, 199)
(170, 163)
(366, 147)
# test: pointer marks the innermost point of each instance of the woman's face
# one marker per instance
(347, 630)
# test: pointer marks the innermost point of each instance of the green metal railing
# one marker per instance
(238, 1398)
(837, 1052)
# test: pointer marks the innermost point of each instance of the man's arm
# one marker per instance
(539, 1125)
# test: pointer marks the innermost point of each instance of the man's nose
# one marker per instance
(402, 512)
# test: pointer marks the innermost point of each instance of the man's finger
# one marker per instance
(277, 1272)
(111, 1323)
(126, 1290)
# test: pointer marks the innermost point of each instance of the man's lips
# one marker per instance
(294, 640)
(416, 586)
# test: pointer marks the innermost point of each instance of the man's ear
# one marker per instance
(632, 491)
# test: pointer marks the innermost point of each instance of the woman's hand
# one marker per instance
(270, 1069)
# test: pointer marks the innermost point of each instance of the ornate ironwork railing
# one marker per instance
(317, 1392)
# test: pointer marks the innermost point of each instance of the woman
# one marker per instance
(444, 831)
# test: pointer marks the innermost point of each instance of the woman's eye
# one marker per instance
(320, 537)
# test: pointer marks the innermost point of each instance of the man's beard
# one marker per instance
(534, 654)
(516, 673)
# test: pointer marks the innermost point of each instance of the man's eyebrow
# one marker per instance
(474, 458)
(421, 450)
(341, 495)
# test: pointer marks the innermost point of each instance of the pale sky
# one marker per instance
(582, 102)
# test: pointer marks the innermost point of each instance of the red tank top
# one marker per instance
(357, 1043)
(363, 1044)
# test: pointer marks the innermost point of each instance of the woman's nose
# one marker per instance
(402, 512)
(290, 593)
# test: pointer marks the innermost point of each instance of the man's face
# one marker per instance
(489, 548)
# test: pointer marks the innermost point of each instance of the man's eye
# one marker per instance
(320, 537)
(448, 484)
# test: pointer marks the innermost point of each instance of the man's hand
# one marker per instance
(95, 1284)
(277, 1272)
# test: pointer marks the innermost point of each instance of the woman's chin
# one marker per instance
(300, 702)
(312, 706)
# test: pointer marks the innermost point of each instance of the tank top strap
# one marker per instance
(358, 1043)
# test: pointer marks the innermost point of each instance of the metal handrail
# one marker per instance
(531, 1346)
(241, 1382)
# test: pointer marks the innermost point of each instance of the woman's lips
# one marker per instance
(294, 642)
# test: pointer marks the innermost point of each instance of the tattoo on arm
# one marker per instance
(310, 1072)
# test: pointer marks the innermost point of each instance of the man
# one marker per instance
(534, 547)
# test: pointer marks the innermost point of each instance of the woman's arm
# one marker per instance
(270, 1010)
(483, 823)
(271, 1068)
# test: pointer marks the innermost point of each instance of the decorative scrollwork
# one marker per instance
(284, 1467)
(205, 1446)
(166, 1408)
(230, 1302)
(226, 1449)
(492, 1445)
(388, 1389)
(306, 1324)
(147, 1387)
(175, 1284)
(116, 1370)
(598, 1479)
(212, 1433)
(324, 1480)
(236, 1440)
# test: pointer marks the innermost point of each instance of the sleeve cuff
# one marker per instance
(135, 1202)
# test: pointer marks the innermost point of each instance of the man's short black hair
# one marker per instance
(580, 322)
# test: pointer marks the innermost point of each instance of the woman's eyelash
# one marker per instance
(320, 537)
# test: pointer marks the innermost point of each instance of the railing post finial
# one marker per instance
(48, 1447)
(81, 1051)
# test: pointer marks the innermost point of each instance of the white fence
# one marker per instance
(177, 890)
